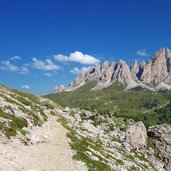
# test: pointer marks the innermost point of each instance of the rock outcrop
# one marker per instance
(154, 74)
(107, 71)
(161, 136)
(136, 135)
(59, 89)
(163, 86)
(157, 68)
(105, 75)
(122, 73)
(134, 70)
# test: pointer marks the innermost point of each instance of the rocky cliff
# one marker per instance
(154, 74)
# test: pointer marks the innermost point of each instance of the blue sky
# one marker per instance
(45, 43)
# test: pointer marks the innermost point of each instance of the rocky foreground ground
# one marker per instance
(116, 143)
(48, 150)
(31, 138)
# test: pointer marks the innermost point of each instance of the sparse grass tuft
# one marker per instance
(15, 123)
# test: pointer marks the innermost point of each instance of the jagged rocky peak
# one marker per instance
(142, 64)
(122, 73)
(106, 65)
(157, 68)
(113, 64)
(162, 56)
(168, 52)
(154, 74)
(59, 89)
(107, 71)
(163, 53)
(97, 67)
(96, 70)
(91, 74)
(110, 71)
(134, 65)
(134, 69)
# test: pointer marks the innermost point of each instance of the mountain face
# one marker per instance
(154, 74)
(157, 69)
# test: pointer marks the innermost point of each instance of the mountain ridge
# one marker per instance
(155, 74)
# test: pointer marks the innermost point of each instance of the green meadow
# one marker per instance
(139, 104)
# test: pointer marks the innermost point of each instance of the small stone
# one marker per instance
(34, 139)
(95, 158)
(88, 153)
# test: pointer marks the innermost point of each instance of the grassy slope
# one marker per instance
(21, 100)
(115, 101)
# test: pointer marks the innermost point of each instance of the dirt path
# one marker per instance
(52, 155)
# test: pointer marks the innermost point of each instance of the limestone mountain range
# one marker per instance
(155, 74)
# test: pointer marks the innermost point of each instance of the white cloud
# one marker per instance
(142, 53)
(48, 74)
(47, 65)
(78, 57)
(26, 87)
(15, 58)
(23, 70)
(78, 71)
(61, 58)
(8, 65)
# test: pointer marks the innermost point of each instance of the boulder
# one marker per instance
(161, 136)
(87, 113)
(136, 135)
(66, 109)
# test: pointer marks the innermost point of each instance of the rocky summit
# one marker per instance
(154, 74)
